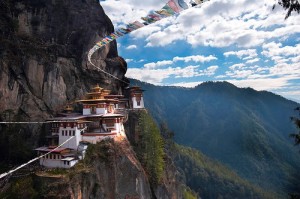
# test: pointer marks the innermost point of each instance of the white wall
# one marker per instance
(135, 105)
(86, 111)
(101, 110)
(74, 142)
(56, 163)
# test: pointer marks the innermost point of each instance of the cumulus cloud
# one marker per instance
(249, 53)
(126, 11)
(129, 60)
(195, 58)
(251, 61)
(273, 49)
(219, 23)
(131, 47)
(210, 70)
(158, 64)
(236, 66)
(239, 73)
(158, 75)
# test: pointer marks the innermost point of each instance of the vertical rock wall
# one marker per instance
(43, 54)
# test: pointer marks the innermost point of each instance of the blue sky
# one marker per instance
(240, 41)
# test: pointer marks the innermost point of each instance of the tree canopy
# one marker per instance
(296, 121)
(290, 6)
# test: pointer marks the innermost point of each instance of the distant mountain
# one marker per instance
(210, 179)
(245, 129)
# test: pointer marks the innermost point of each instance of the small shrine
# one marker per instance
(135, 95)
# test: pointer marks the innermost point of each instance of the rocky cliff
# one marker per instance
(43, 54)
(43, 63)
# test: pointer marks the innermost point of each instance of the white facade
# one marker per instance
(101, 110)
(86, 111)
(137, 104)
(66, 133)
(58, 163)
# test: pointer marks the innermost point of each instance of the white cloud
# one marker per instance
(293, 94)
(222, 23)
(262, 84)
(251, 61)
(158, 75)
(239, 73)
(153, 65)
(250, 53)
(126, 11)
(275, 49)
(131, 47)
(210, 70)
(195, 58)
(236, 66)
(128, 60)
(166, 36)
(145, 31)
(186, 84)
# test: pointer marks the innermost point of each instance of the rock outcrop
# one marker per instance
(116, 173)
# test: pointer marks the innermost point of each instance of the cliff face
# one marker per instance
(43, 54)
(172, 183)
(116, 173)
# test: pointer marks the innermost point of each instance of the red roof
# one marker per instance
(48, 149)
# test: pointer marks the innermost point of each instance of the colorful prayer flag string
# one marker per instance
(173, 7)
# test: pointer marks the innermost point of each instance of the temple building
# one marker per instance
(135, 95)
(102, 117)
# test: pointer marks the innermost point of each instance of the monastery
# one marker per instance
(102, 117)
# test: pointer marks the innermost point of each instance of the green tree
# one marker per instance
(296, 121)
(290, 6)
(296, 137)
(150, 149)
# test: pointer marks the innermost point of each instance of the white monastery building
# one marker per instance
(102, 117)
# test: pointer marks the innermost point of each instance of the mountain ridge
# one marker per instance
(244, 129)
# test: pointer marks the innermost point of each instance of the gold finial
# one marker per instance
(69, 108)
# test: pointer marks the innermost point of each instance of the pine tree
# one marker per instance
(296, 121)
(290, 6)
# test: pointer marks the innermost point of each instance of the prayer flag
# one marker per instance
(155, 16)
(183, 4)
(148, 20)
(138, 24)
(119, 33)
(124, 31)
(174, 6)
(163, 13)
(169, 10)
